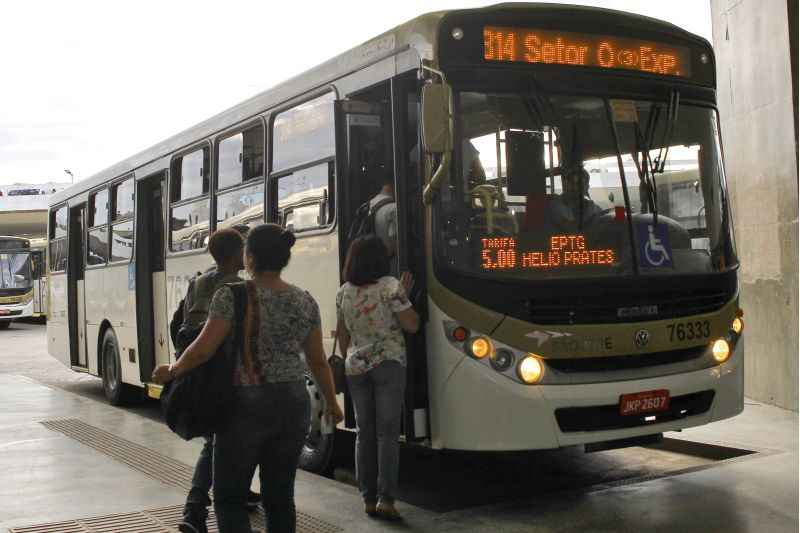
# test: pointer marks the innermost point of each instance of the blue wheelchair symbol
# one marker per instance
(654, 248)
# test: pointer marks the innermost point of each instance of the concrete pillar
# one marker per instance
(757, 107)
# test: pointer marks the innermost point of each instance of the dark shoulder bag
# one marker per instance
(199, 402)
(337, 364)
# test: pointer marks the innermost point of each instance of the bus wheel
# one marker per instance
(318, 447)
(117, 392)
(4, 324)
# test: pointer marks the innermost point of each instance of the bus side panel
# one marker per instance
(179, 271)
(315, 267)
(57, 329)
(121, 312)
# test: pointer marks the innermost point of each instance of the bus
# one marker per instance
(23, 283)
(598, 314)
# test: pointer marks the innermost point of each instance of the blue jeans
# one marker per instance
(267, 428)
(201, 480)
(378, 400)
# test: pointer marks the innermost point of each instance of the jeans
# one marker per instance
(201, 480)
(267, 428)
(378, 400)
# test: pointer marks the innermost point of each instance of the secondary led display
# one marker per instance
(501, 253)
(581, 49)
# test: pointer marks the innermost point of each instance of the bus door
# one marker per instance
(151, 300)
(366, 157)
(76, 309)
(39, 288)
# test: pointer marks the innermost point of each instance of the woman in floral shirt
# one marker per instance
(373, 310)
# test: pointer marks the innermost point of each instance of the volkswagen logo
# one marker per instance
(641, 338)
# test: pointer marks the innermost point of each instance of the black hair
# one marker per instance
(367, 261)
(270, 247)
(225, 244)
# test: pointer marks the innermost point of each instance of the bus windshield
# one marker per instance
(15, 270)
(536, 190)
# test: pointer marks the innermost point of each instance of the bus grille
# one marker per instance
(606, 417)
(625, 362)
(605, 309)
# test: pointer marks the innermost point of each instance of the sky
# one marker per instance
(85, 84)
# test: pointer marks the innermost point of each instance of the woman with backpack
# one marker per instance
(373, 311)
(268, 423)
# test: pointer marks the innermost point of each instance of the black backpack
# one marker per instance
(199, 403)
(177, 318)
(364, 219)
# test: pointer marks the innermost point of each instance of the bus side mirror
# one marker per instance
(436, 131)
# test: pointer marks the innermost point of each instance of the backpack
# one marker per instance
(364, 219)
(177, 318)
(199, 402)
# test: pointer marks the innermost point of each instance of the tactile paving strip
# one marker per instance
(149, 462)
(154, 465)
(162, 520)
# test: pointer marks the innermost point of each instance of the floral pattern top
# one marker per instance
(368, 312)
(276, 327)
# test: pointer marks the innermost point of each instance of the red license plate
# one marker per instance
(4, 312)
(652, 401)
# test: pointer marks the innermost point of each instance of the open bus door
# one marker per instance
(76, 308)
(150, 275)
(373, 139)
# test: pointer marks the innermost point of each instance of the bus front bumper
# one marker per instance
(481, 410)
(13, 312)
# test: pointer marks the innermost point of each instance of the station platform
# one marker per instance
(70, 463)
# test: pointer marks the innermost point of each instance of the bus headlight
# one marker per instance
(721, 350)
(502, 360)
(530, 369)
(737, 325)
(480, 347)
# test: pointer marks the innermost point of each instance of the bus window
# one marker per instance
(240, 158)
(98, 208)
(306, 191)
(122, 216)
(122, 198)
(190, 175)
(97, 236)
(58, 239)
(189, 217)
(189, 226)
(244, 205)
(303, 134)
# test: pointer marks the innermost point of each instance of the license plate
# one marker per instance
(4, 312)
(652, 401)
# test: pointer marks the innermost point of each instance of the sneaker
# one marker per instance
(253, 499)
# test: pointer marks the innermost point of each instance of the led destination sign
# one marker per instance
(501, 253)
(582, 49)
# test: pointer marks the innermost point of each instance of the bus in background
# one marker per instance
(23, 283)
(561, 201)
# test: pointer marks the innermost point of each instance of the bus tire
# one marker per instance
(4, 324)
(317, 449)
(117, 392)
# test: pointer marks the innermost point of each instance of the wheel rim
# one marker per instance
(314, 437)
(110, 370)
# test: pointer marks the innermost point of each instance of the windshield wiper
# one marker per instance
(631, 238)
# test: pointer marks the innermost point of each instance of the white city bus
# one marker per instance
(23, 284)
(553, 316)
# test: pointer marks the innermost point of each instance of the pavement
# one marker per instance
(66, 457)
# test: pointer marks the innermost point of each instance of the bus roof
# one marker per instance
(417, 34)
